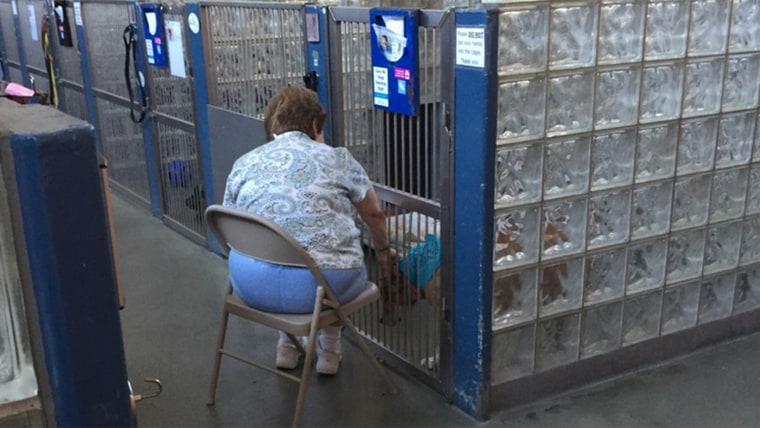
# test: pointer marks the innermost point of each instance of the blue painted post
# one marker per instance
(20, 44)
(316, 55)
(475, 140)
(56, 193)
(84, 56)
(200, 81)
(3, 57)
(147, 124)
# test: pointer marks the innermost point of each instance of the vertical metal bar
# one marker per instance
(3, 58)
(201, 100)
(422, 118)
(209, 59)
(20, 45)
(347, 61)
(84, 58)
(335, 48)
(317, 61)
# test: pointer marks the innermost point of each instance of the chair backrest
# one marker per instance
(258, 237)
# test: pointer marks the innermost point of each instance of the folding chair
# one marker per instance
(260, 238)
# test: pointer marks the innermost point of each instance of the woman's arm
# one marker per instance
(371, 213)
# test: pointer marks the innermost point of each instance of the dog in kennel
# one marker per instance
(416, 276)
(415, 270)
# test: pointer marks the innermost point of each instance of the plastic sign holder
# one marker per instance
(395, 60)
(153, 26)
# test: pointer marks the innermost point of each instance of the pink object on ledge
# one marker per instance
(16, 90)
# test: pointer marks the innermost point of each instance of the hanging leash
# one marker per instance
(130, 46)
(49, 61)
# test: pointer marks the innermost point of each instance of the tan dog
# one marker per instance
(399, 295)
(551, 280)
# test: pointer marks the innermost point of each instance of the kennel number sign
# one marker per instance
(471, 46)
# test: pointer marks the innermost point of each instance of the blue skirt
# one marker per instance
(286, 289)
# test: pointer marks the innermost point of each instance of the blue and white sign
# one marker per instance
(395, 63)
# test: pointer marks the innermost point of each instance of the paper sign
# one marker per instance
(380, 85)
(176, 48)
(33, 23)
(78, 13)
(471, 47)
(312, 27)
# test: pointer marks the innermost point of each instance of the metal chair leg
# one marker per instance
(218, 357)
(310, 351)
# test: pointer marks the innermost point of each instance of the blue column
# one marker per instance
(20, 44)
(475, 140)
(54, 181)
(317, 59)
(147, 124)
(84, 56)
(200, 82)
(3, 57)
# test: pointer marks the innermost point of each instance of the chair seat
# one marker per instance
(299, 324)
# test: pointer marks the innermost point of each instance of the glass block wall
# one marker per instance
(627, 201)
(17, 376)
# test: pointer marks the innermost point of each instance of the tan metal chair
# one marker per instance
(262, 239)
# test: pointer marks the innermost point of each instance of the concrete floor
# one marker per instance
(173, 290)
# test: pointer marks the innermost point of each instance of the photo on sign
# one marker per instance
(391, 43)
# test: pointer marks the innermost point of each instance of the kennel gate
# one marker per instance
(25, 60)
(173, 132)
(66, 60)
(250, 50)
(29, 15)
(70, 77)
(11, 58)
(409, 160)
(120, 139)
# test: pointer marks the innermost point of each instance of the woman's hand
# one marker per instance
(386, 258)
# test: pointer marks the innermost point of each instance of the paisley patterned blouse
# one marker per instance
(307, 188)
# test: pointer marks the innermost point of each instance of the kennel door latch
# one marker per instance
(446, 120)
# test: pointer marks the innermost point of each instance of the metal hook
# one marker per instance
(155, 393)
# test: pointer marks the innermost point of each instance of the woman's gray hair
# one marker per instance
(294, 109)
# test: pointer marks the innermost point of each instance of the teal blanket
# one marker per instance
(421, 262)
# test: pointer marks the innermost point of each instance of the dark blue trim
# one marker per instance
(3, 57)
(147, 125)
(475, 140)
(317, 60)
(197, 60)
(60, 195)
(89, 94)
(20, 44)
(44, 280)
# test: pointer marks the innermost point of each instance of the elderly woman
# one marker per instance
(313, 191)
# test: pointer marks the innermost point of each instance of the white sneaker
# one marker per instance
(328, 358)
(287, 355)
